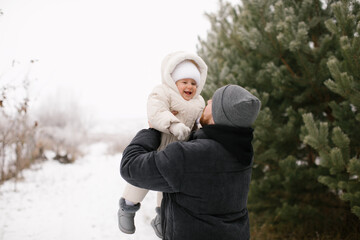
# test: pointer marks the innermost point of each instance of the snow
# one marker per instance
(70, 201)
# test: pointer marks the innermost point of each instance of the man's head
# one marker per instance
(231, 105)
(206, 117)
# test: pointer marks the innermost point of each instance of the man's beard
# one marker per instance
(204, 120)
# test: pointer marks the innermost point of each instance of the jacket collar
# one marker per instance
(236, 140)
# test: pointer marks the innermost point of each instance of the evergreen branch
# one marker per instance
(329, 113)
(354, 167)
(356, 210)
(293, 74)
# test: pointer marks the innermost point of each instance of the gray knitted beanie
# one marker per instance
(234, 106)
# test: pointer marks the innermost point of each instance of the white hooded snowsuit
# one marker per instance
(166, 98)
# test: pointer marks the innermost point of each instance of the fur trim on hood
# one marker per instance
(173, 59)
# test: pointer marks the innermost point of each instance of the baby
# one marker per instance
(173, 108)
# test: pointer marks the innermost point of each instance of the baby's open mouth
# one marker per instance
(187, 92)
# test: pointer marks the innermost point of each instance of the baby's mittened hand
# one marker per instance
(180, 131)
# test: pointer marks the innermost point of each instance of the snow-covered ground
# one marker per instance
(67, 202)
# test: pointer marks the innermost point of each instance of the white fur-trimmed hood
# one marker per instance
(173, 59)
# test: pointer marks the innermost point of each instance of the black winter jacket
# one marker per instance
(205, 181)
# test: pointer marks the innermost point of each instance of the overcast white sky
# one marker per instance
(105, 54)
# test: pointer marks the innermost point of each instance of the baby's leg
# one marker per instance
(159, 198)
(156, 222)
(134, 194)
(129, 205)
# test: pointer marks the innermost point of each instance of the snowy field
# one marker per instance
(67, 202)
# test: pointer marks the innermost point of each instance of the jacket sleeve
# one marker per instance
(143, 167)
(158, 110)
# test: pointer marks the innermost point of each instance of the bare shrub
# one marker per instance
(61, 128)
(17, 143)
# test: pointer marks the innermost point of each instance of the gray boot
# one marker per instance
(126, 216)
(156, 223)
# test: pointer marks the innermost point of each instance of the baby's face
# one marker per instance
(187, 88)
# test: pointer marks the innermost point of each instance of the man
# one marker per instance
(205, 180)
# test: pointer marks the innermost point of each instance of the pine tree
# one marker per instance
(301, 58)
(340, 151)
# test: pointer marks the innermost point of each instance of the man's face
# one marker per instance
(206, 117)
